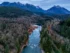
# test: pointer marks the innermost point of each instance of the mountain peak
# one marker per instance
(57, 6)
(58, 10)
(5, 3)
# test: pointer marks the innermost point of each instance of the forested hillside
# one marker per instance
(56, 40)
(65, 28)
(13, 12)
(13, 29)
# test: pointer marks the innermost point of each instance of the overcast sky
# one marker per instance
(45, 4)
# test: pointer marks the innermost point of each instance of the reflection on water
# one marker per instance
(33, 45)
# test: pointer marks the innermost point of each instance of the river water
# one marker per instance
(34, 39)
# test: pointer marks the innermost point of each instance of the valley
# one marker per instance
(25, 28)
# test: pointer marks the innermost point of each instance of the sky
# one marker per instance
(45, 4)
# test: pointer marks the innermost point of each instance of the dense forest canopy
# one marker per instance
(13, 12)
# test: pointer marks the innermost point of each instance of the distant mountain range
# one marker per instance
(36, 9)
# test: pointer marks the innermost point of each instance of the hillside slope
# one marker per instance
(13, 12)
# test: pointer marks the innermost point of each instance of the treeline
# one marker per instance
(6, 11)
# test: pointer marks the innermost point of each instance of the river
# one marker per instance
(34, 39)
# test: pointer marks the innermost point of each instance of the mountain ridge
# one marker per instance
(58, 10)
(36, 9)
(27, 6)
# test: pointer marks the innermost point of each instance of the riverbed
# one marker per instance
(34, 41)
